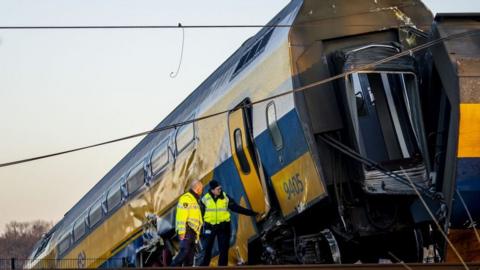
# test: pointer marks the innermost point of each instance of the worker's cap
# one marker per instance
(214, 184)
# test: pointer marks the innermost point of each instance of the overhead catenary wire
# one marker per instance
(240, 26)
(227, 26)
(199, 26)
(52, 27)
(399, 260)
(472, 222)
(300, 89)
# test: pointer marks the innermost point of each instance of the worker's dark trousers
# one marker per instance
(186, 254)
(222, 233)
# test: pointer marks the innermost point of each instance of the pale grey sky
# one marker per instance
(67, 88)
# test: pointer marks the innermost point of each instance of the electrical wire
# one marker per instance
(174, 74)
(472, 222)
(52, 27)
(205, 26)
(368, 162)
(399, 260)
(296, 90)
(439, 227)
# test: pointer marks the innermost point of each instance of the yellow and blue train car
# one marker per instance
(317, 164)
(456, 76)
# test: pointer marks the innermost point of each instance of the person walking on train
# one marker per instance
(188, 224)
(216, 205)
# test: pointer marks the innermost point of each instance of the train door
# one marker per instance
(244, 157)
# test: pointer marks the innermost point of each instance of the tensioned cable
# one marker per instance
(205, 26)
(439, 227)
(200, 26)
(368, 162)
(300, 89)
(472, 222)
(145, 26)
(399, 260)
(347, 151)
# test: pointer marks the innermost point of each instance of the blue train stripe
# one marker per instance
(294, 144)
(468, 184)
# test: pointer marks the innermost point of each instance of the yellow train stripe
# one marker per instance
(297, 185)
(469, 133)
(125, 243)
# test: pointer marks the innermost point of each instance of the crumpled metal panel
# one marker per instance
(320, 20)
(360, 56)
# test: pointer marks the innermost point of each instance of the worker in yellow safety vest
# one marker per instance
(217, 204)
(188, 224)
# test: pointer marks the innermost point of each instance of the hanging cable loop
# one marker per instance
(175, 74)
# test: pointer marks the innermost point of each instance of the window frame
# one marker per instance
(121, 188)
(45, 242)
(259, 47)
(163, 144)
(100, 202)
(270, 131)
(129, 176)
(82, 219)
(66, 236)
(192, 140)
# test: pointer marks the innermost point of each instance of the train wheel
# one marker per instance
(333, 245)
(406, 246)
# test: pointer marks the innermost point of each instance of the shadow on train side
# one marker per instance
(334, 170)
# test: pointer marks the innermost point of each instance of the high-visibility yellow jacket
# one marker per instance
(188, 213)
(216, 212)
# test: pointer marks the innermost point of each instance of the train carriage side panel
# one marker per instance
(457, 67)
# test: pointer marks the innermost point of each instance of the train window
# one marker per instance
(43, 244)
(64, 244)
(252, 52)
(114, 197)
(185, 136)
(160, 157)
(79, 229)
(242, 159)
(95, 214)
(273, 126)
(135, 178)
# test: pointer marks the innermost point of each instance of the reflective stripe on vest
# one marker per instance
(216, 212)
(188, 212)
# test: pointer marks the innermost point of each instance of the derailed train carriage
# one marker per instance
(333, 169)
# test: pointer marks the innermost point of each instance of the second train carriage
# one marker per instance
(278, 157)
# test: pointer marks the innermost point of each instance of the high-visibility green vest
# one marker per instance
(188, 213)
(216, 211)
